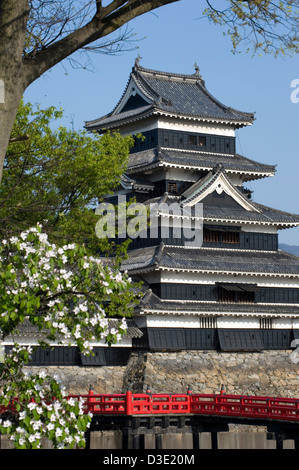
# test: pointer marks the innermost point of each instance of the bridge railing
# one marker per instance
(246, 406)
(206, 404)
(137, 403)
(202, 404)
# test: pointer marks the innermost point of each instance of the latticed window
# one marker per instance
(239, 296)
(211, 235)
(226, 295)
(218, 236)
(208, 322)
(230, 237)
(266, 323)
(245, 297)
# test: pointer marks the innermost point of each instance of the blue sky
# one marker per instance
(173, 38)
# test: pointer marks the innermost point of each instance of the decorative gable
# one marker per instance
(215, 181)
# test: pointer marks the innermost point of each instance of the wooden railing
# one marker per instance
(202, 404)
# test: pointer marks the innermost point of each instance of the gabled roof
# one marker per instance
(215, 180)
(238, 208)
(151, 92)
(213, 260)
(233, 164)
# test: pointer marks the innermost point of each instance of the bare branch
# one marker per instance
(100, 26)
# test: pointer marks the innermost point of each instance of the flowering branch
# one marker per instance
(69, 297)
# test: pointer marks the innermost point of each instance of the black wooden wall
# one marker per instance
(184, 140)
(210, 293)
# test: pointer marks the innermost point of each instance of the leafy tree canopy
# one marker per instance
(56, 177)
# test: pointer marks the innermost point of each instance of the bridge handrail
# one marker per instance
(129, 403)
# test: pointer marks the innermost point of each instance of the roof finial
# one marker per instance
(137, 60)
(196, 69)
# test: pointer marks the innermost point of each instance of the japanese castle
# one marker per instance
(234, 290)
(231, 289)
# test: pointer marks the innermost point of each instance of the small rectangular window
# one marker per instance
(192, 140)
(202, 142)
(172, 187)
(197, 141)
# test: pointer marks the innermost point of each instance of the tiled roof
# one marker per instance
(198, 160)
(212, 260)
(143, 257)
(185, 94)
(175, 94)
(110, 118)
(154, 303)
(236, 213)
(133, 182)
(267, 215)
(28, 330)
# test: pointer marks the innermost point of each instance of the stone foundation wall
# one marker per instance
(266, 373)
(77, 380)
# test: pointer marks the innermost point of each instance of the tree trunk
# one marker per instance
(13, 22)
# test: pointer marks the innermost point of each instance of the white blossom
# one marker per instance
(7, 423)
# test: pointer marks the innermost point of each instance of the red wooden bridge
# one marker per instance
(140, 404)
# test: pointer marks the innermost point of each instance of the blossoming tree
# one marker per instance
(68, 296)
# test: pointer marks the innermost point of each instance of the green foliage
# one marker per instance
(57, 177)
(264, 26)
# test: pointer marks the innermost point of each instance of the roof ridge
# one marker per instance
(194, 77)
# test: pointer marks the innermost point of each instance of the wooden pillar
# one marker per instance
(279, 442)
(158, 441)
(87, 439)
(136, 441)
(142, 441)
(195, 437)
(125, 439)
(214, 440)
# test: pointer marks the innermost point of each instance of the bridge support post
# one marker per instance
(136, 441)
(158, 441)
(279, 441)
(87, 439)
(125, 439)
(214, 440)
(142, 441)
(195, 437)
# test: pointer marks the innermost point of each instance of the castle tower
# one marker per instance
(232, 289)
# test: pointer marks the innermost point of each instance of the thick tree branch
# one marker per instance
(105, 21)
